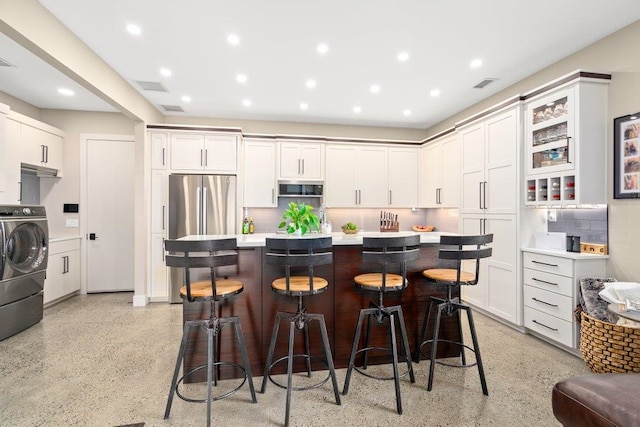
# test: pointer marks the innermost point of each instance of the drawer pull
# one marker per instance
(542, 324)
(544, 281)
(544, 263)
(544, 302)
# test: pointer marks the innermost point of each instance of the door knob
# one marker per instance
(92, 236)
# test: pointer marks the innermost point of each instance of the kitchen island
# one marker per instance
(340, 304)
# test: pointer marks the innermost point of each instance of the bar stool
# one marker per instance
(295, 254)
(219, 252)
(386, 252)
(468, 248)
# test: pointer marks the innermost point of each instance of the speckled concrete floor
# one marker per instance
(97, 361)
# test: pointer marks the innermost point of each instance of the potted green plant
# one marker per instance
(299, 218)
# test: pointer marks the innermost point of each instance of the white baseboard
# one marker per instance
(140, 300)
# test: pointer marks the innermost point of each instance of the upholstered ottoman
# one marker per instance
(598, 400)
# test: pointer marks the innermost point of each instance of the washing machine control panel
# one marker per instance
(22, 211)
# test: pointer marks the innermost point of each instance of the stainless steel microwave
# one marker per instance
(299, 189)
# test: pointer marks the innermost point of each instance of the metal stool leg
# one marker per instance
(476, 348)
(352, 357)
(272, 346)
(245, 358)
(307, 349)
(292, 330)
(423, 332)
(462, 355)
(405, 344)
(434, 346)
(176, 371)
(394, 352)
(210, 366)
(366, 341)
(327, 353)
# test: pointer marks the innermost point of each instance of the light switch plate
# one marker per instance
(72, 223)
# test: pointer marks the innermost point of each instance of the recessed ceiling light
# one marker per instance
(403, 56)
(134, 29)
(304, 106)
(406, 113)
(241, 78)
(186, 98)
(322, 48)
(247, 103)
(311, 83)
(165, 72)
(476, 63)
(375, 88)
(233, 39)
(65, 91)
(357, 109)
(434, 92)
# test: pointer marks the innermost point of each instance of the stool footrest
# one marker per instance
(309, 387)
(213, 398)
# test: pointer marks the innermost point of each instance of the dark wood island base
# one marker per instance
(257, 306)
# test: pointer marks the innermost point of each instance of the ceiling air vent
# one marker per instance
(484, 83)
(156, 86)
(172, 108)
(5, 63)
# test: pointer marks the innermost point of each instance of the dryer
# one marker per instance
(24, 242)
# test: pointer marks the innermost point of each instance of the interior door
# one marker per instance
(110, 215)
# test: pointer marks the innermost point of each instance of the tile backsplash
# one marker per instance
(589, 224)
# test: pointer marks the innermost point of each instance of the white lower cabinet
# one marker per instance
(551, 287)
(63, 270)
(159, 283)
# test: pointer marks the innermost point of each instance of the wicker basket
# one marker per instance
(606, 347)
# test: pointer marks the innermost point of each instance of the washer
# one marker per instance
(24, 243)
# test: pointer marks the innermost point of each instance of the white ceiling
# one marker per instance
(277, 53)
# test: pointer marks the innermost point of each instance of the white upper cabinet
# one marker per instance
(204, 152)
(490, 164)
(40, 146)
(440, 173)
(159, 149)
(259, 173)
(565, 144)
(403, 174)
(301, 160)
(357, 176)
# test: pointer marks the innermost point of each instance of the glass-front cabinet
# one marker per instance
(565, 140)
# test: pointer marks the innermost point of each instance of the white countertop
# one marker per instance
(339, 238)
(62, 239)
(565, 254)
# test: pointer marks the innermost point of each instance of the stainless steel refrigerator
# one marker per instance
(199, 204)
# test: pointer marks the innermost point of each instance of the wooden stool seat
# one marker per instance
(373, 281)
(299, 284)
(224, 288)
(448, 275)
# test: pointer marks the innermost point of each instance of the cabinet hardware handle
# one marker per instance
(544, 302)
(480, 195)
(484, 226)
(542, 324)
(544, 263)
(201, 153)
(299, 167)
(484, 195)
(20, 191)
(46, 154)
(163, 254)
(163, 216)
(568, 145)
(302, 166)
(544, 281)
(356, 197)
(390, 198)
(273, 195)
(206, 158)
(163, 158)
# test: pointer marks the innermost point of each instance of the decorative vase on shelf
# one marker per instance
(299, 218)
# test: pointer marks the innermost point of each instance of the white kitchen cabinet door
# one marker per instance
(71, 277)
(159, 149)
(501, 176)
(187, 152)
(259, 174)
(472, 168)
(54, 283)
(340, 183)
(159, 203)
(11, 194)
(372, 176)
(40, 148)
(63, 270)
(431, 175)
(301, 160)
(403, 177)
(503, 293)
(221, 153)
(159, 285)
(449, 194)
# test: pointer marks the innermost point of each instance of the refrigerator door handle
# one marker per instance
(198, 197)
(204, 211)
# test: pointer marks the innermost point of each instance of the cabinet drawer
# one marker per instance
(549, 302)
(549, 263)
(551, 282)
(549, 326)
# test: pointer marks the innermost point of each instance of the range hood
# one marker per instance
(40, 171)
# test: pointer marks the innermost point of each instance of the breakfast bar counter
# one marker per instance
(340, 304)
